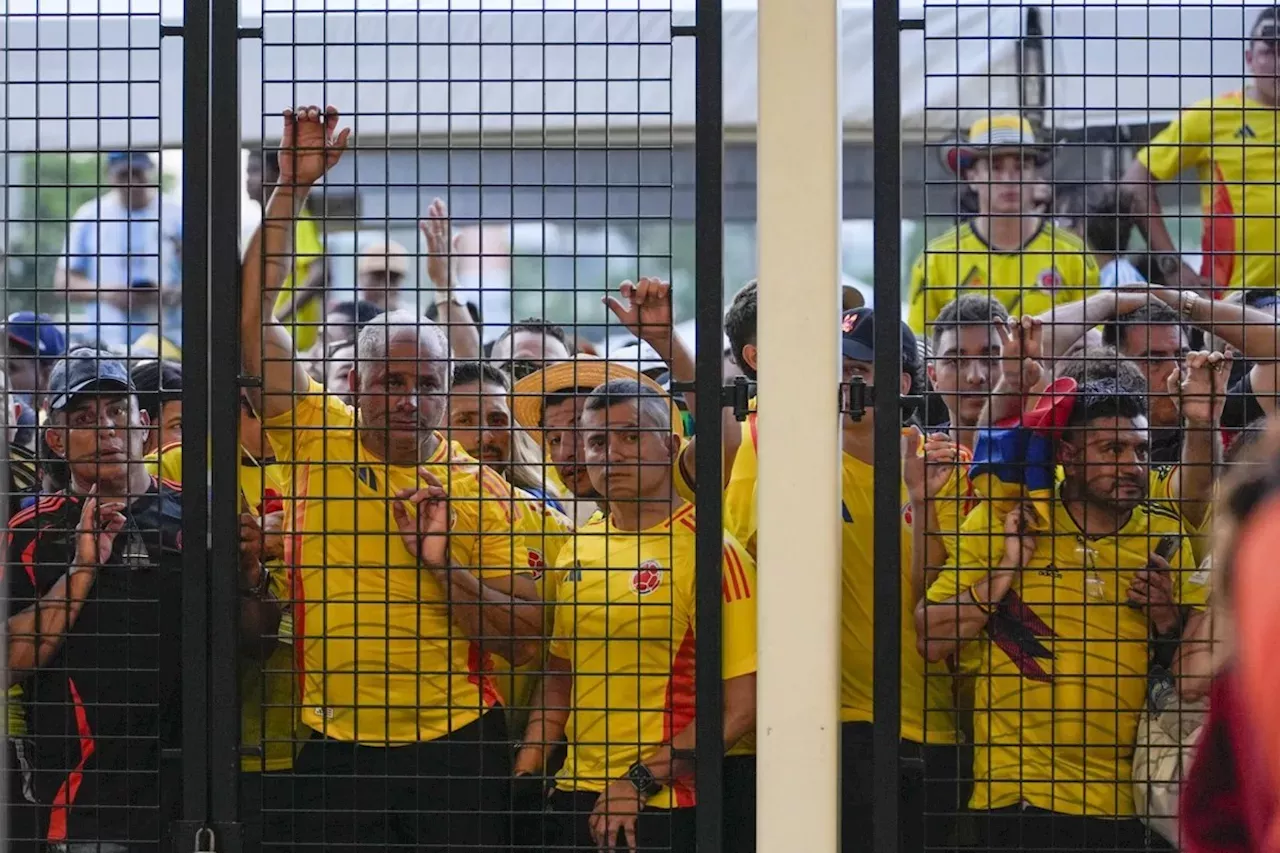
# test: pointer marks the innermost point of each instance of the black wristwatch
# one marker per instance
(643, 780)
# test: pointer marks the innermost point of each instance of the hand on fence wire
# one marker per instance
(617, 810)
(1153, 589)
(1022, 348)
(100, 523)
(1200, 388)
(1019, 541)
(646, 312)
(925, 473)
(422, 515)
(309, 146)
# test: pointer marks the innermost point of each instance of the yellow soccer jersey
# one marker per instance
(625, 622)
(304, 325)
(545, 532)
(1231, 142)
(740, 493)
(857, 624)
(1053, 268)
(1063, 674)
(268, 695)
(381, 660)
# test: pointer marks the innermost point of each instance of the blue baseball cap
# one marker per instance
(86, 371)
(858, 339)
(128, 159)
(38, 332)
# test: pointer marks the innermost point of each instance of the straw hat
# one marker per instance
(529, 394)
(990, 136)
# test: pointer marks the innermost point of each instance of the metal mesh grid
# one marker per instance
(1077, 406)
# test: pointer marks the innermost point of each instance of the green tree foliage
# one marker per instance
(54, 187)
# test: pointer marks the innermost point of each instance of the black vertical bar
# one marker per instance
(195, 409)
(708, 379)
(224, 425)
(887, 496)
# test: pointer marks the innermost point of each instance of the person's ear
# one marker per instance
(1066, 452)
(55, 437)
(931, 372)
(750, 355)
(904, 384)
(353, 381)
(673, 446)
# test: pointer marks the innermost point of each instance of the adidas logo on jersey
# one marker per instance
(1246, 132)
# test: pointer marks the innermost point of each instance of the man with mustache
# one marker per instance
(95, 620)
(1063, 577)
(406, 559)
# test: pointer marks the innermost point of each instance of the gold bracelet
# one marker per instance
(984, 606)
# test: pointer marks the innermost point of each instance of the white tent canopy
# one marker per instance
(467, 77)
(1131, 63)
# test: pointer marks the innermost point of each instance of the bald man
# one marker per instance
(405, 558)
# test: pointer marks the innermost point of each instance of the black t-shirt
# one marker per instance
(102, 709)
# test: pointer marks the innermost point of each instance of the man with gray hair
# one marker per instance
(398, 618)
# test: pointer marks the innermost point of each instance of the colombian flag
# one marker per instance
(1016, 460)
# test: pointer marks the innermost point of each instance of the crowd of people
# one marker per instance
(467, 570)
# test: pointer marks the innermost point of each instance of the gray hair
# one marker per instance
(374, 338)
(653, 407)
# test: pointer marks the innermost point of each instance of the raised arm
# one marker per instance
(1066, 324)
(1252, 331)
(645, 309)
(1142, 188)
(1021, 348)
(308, 149)
(464, 337)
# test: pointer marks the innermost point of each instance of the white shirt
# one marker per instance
(109, 243)
(1119, 273)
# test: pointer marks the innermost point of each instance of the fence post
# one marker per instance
(224, 425)
(709, 278)
(194, 761)
(799, 179)
(887, 496)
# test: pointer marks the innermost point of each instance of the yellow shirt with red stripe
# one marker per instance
(1063, 674)
(268, 689)
(1054, 267)
(1231, 142)
(546, 532)
(625, 621)
(382, 661)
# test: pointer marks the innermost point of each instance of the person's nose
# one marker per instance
(975, 372)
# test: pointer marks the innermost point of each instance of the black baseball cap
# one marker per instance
(86, 371)
(858, 339)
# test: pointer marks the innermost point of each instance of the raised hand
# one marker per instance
(1152, 588)
(1019, 541)
(422, 515)
(1022, 348)
(926, 472)
(1200, 388)
(310, 145)
(100, 523)
(646, 311)
(436, 231)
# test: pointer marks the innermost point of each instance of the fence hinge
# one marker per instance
(684, 30)
(862, 397)
(736, 396)
(249, 33)
(171, 30)
(911, 24)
